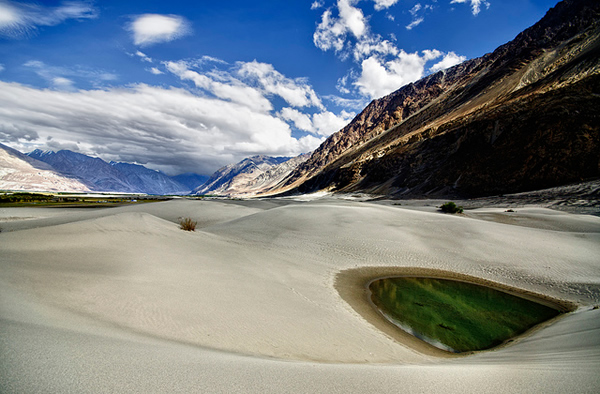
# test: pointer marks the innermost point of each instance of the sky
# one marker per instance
(182, 86)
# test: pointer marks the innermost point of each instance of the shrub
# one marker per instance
(187, 224)
(451, 207)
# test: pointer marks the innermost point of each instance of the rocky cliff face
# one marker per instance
(251, 176)
(520, 118)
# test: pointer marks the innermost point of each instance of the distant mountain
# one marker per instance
(524, 117)
(21, 172)
(110, 177)
(190, 180)
(97, 173)
(150, 181)
(250, 176)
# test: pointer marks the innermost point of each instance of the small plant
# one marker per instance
(451, 207)
(187, 224)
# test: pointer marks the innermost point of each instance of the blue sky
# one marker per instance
(191, 86)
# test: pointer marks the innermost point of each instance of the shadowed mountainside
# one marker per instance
(521, 118)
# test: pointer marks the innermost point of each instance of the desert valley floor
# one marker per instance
(122, 300)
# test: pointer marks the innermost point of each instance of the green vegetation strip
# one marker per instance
(23, 199)
(461, 316)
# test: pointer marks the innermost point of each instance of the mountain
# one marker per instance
(250, 176)
(149, 181)
(110, 177)
(97, 173)
(190, 180)
(21, 172)
(524, 117)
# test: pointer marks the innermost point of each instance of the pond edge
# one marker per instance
(353, 287)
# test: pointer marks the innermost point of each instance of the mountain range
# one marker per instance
(251, 176)
(71, 171)
(21, 172)
(524, 117)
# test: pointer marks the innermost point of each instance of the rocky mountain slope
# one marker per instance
(150, 181)
(521, 118)
(250, 176)
(109, 177)
(21, 172)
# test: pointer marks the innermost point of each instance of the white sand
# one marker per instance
(121, 300)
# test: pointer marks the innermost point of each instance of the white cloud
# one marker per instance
(415, 22)
(166, 128)
(326, 123)
(155, 71)
(416, 19)
(20, 19)
(379, 78)
(317, 4)
(352, 17)
(300, 120)
(475, 4)
(296, 92)
(449, 60)
(354, 104)
(383, 4)
(149, 29)
(62, 83)
(234, 90)
(373, 44)
(384, 67)
(332, 32)
(1, 67)
(247, 83)
(342, 84)
(56, 76)
(143, 56)
(321, 124)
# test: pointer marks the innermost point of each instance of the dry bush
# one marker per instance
(451, 207)
(187, 224)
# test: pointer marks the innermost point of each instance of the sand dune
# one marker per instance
(122, 300)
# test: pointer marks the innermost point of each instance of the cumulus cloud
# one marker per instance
(231, 90)
(475, 4)
(296, 92)
(332, 32)
(320, 124)
(326, 123)
(383, 67)
(379, 78)
(149, 29)
(248, 83)
(166, 128)
(449, 60)
(21, 19)
(155, 71)
(383, 4)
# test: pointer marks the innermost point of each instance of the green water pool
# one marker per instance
(453, 315)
